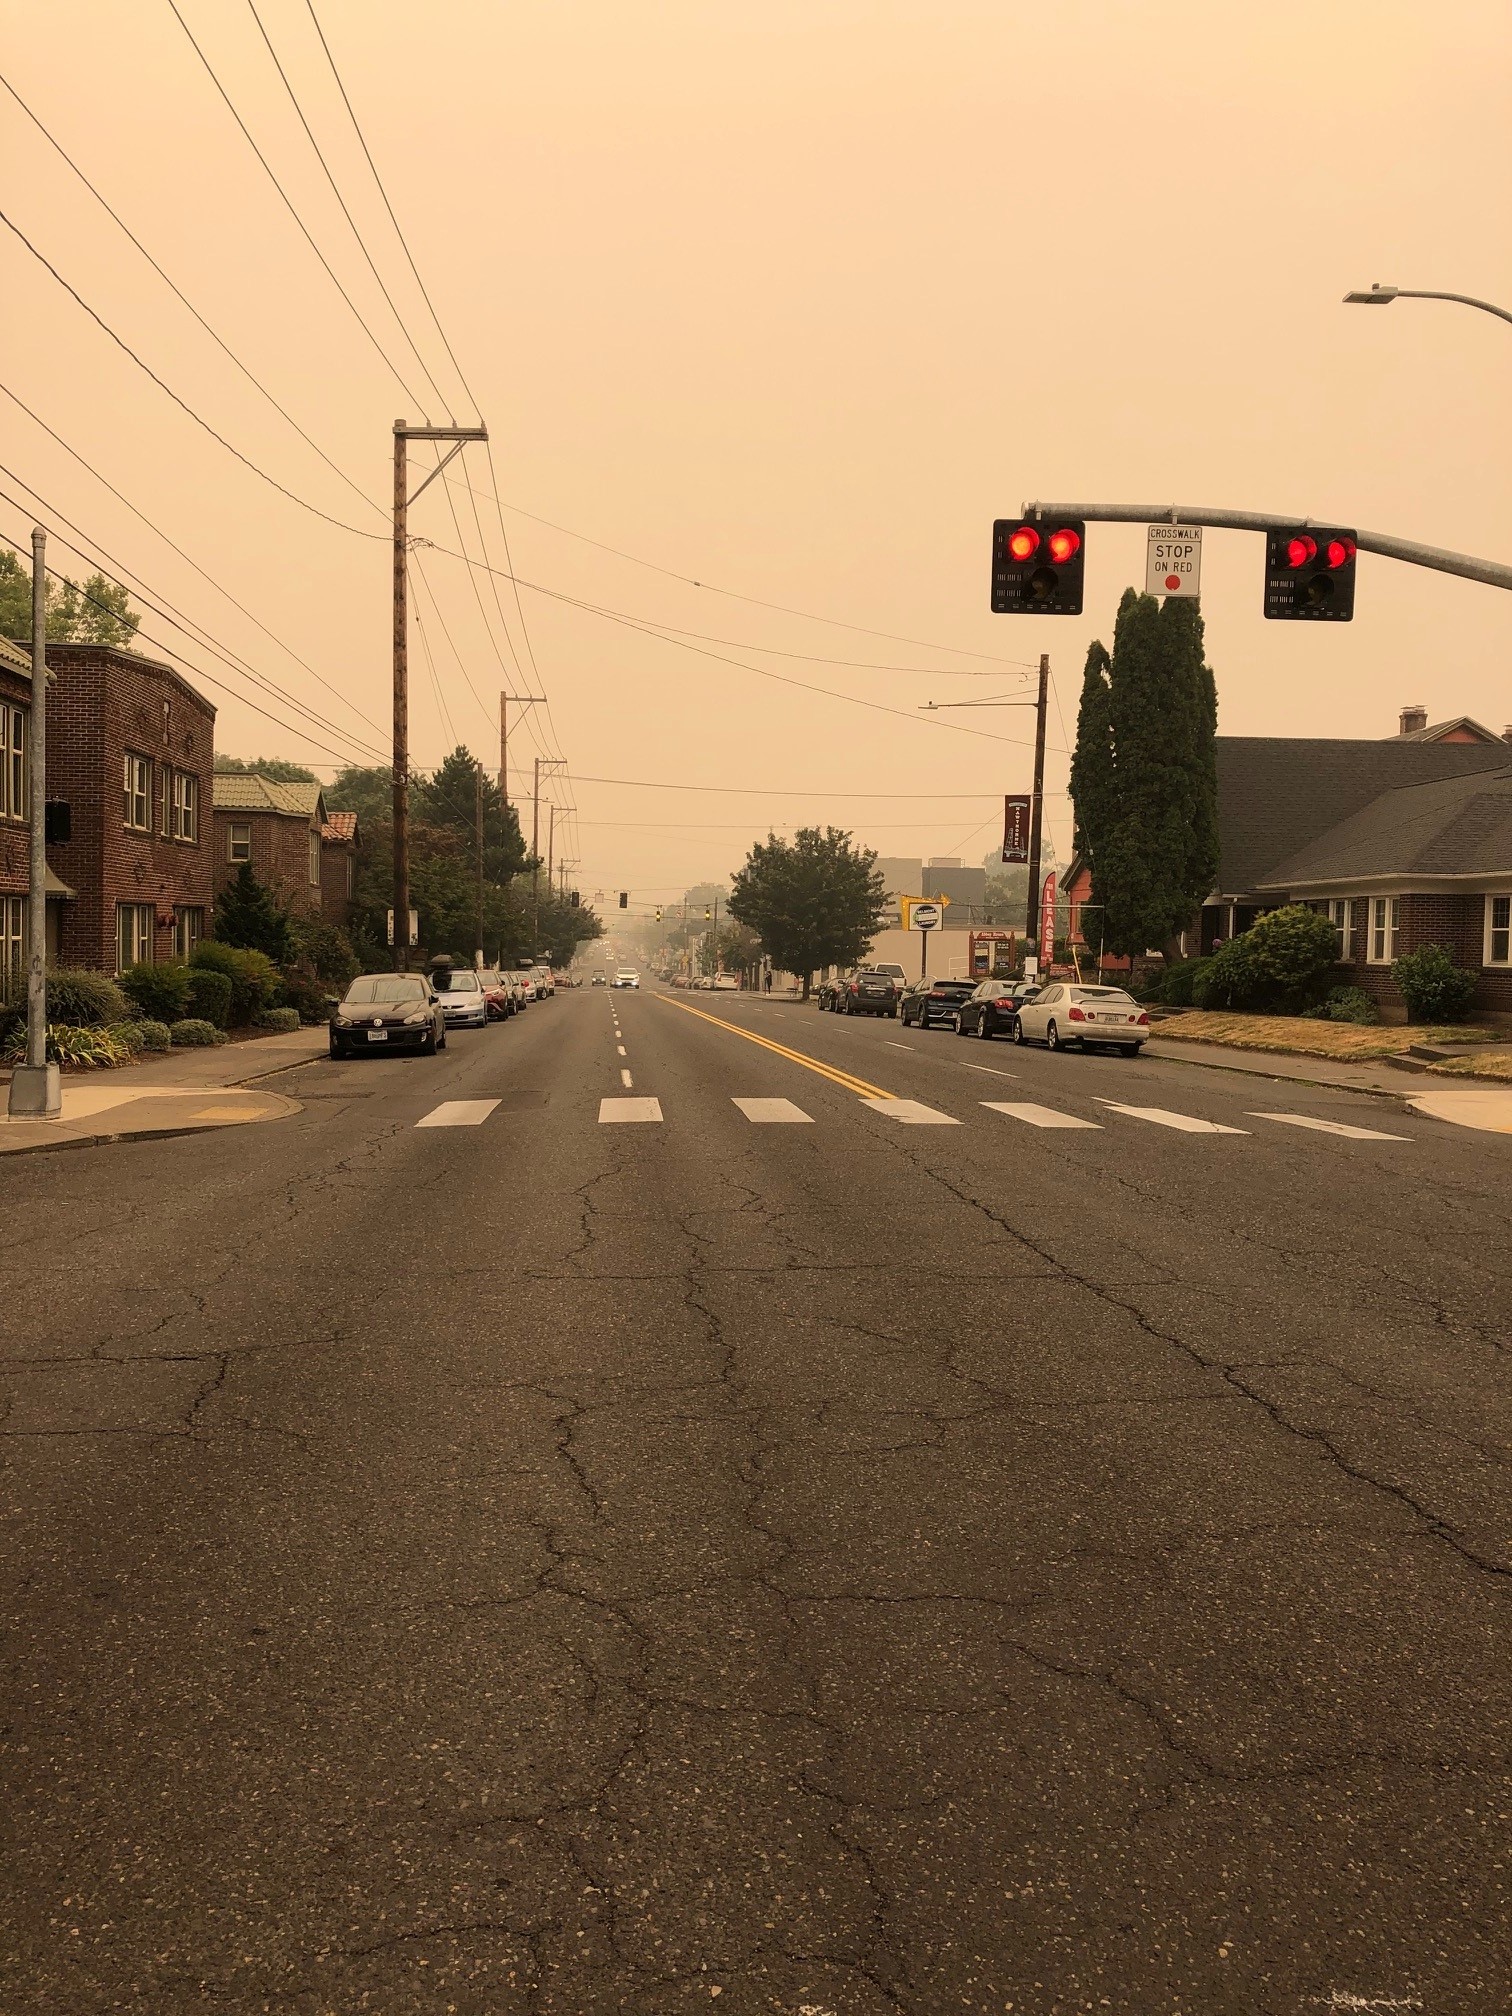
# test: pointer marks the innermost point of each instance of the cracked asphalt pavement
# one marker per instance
(829, 1569)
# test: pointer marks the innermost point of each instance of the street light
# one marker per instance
(1378, 297)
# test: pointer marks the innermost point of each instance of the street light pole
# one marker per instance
(36, 1086)
(1378, 296)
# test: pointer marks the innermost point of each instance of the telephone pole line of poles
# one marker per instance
(36, 1086)
(541, 763)
(403, 435)
(478, 809)
(520, 700)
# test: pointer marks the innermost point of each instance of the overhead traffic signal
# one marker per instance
(1310, 574)
(708, 913)
(1037, 566)
(658, 913)
(575, 899)
(624, 899)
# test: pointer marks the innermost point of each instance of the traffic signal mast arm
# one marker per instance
(1494, 573)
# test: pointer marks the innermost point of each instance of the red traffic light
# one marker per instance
(1300, 550)
(1024, 543)
(1064, 545)
(1339, 552)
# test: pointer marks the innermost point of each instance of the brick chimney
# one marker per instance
(1507, 732)
(1414, 720)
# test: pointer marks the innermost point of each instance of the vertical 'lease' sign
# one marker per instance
(1016, 828)
(1047, 923)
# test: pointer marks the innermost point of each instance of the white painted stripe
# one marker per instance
(1038, 1116)
(991, 1070)
(621, 1050)
(1159, 1116)
(911, 1112)
(626, 1080)
(459, 1113)
(899, 1046)
(772, 1112)
(629, 1109)
(1328, 1127)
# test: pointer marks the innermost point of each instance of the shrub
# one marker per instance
(83, 1000)
(1228, 979)
(84, 1049)
(279, 1021)
(1433, 986)
(154, 1035)
(1349, 1004)
(193, 1034)
(1279, 966)
(129, 1036)
(210, 995)
(306, 996)
(247, 913)
(253, 976)
(161, 992)
(324, 951)
(1175, 985)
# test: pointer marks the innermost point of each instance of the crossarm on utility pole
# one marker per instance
(1493, 573)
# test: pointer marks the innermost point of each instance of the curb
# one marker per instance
(1282, 1077)
(64, 1143)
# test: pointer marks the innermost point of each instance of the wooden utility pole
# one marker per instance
(478, 799)
(403, 435)
(1037, 802)
(547, 763)
(520, 700)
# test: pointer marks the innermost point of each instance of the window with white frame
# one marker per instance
(1499, 930)
(12, 942)
(185, 821)
(136, 805)
(188, 929)
(134, 940)
(1340, 913)
(239, 840)
(314, 858)
(13, 729)
(1385, 923)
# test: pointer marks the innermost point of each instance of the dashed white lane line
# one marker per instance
(626, 1080)
(911, 1113)
(899, 1046)
(459, 1113)
(773, 1112)
(1038, 1116)
(991, 1069)
(621, 1049)
(629, 1109)
(1329, 1127)
(1160, 1116)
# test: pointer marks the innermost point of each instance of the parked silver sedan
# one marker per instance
(1066, 1016)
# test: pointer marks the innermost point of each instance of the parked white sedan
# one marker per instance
(1065, 1015)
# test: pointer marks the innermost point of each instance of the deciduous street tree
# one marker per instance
(815, 900)
(98, 613)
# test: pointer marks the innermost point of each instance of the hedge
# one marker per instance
(159, 992)
(210, 995)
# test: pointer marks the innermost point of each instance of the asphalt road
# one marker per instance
(831, 1565)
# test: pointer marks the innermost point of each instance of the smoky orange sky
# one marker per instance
(792, 300)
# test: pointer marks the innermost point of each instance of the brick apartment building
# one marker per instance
(130, 747)
(279, 829)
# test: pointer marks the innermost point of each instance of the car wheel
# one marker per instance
(336, 1050)
(1053, 1037)
(960, 1026)
(892, 1014)
(982, 1030)
(1018, 1032)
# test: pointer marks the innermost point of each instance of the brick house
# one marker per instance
(279, 829)
(338, 866)
(129, 752)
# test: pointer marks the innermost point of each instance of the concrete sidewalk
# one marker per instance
(182, 1092)
(1377, 1077)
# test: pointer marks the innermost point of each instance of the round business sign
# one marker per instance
(925, 916)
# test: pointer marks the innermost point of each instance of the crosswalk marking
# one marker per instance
(1161, 1116)
(773, 1112)
(1039, 1116)
(459, 1113)
(1329, 1127)
(911, 1112)
(629, 1109)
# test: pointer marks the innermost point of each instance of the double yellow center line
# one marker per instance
(844, 1079)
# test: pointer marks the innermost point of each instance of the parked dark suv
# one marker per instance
(932, 1004)
(866, 992)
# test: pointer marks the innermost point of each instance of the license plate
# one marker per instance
(377, 1035)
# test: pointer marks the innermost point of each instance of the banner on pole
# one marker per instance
(1047, 922)
(1016, 828)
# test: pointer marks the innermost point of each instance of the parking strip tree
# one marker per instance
(815, 900)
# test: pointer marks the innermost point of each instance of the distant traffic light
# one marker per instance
(658, 913)
(1037, 566)
(708, 913)
(575, 899)
(1310, 574)
(624, 899)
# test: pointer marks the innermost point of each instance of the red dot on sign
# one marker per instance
(1173, 582)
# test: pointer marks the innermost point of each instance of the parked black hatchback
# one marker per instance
(388, 1011)
(933, 1003)
(993, 1009)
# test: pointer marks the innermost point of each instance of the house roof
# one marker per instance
(1278, 796)
(248, 791)
(14, 657)
(1477, 730)
(1460, 826)
(339, 826)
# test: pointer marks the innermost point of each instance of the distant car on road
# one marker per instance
(626, 977)
(464, 1005)
(993, 1008)
(727, 982)
(866, 991)
(388, 1011)
(931, 1004)
(598, 977)
(1065, 1015)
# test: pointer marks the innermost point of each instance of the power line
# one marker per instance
(164, 386)
(335, 191)
(176, 548)
(289, 206)
(173, 286)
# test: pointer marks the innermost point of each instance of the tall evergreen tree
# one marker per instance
(248, 913)
(1144, 780)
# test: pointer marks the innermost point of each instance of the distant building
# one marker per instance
(279, 829)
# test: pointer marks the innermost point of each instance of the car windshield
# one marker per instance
(373, 988)
(465, 982)
(950, 987)
(488, 977)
